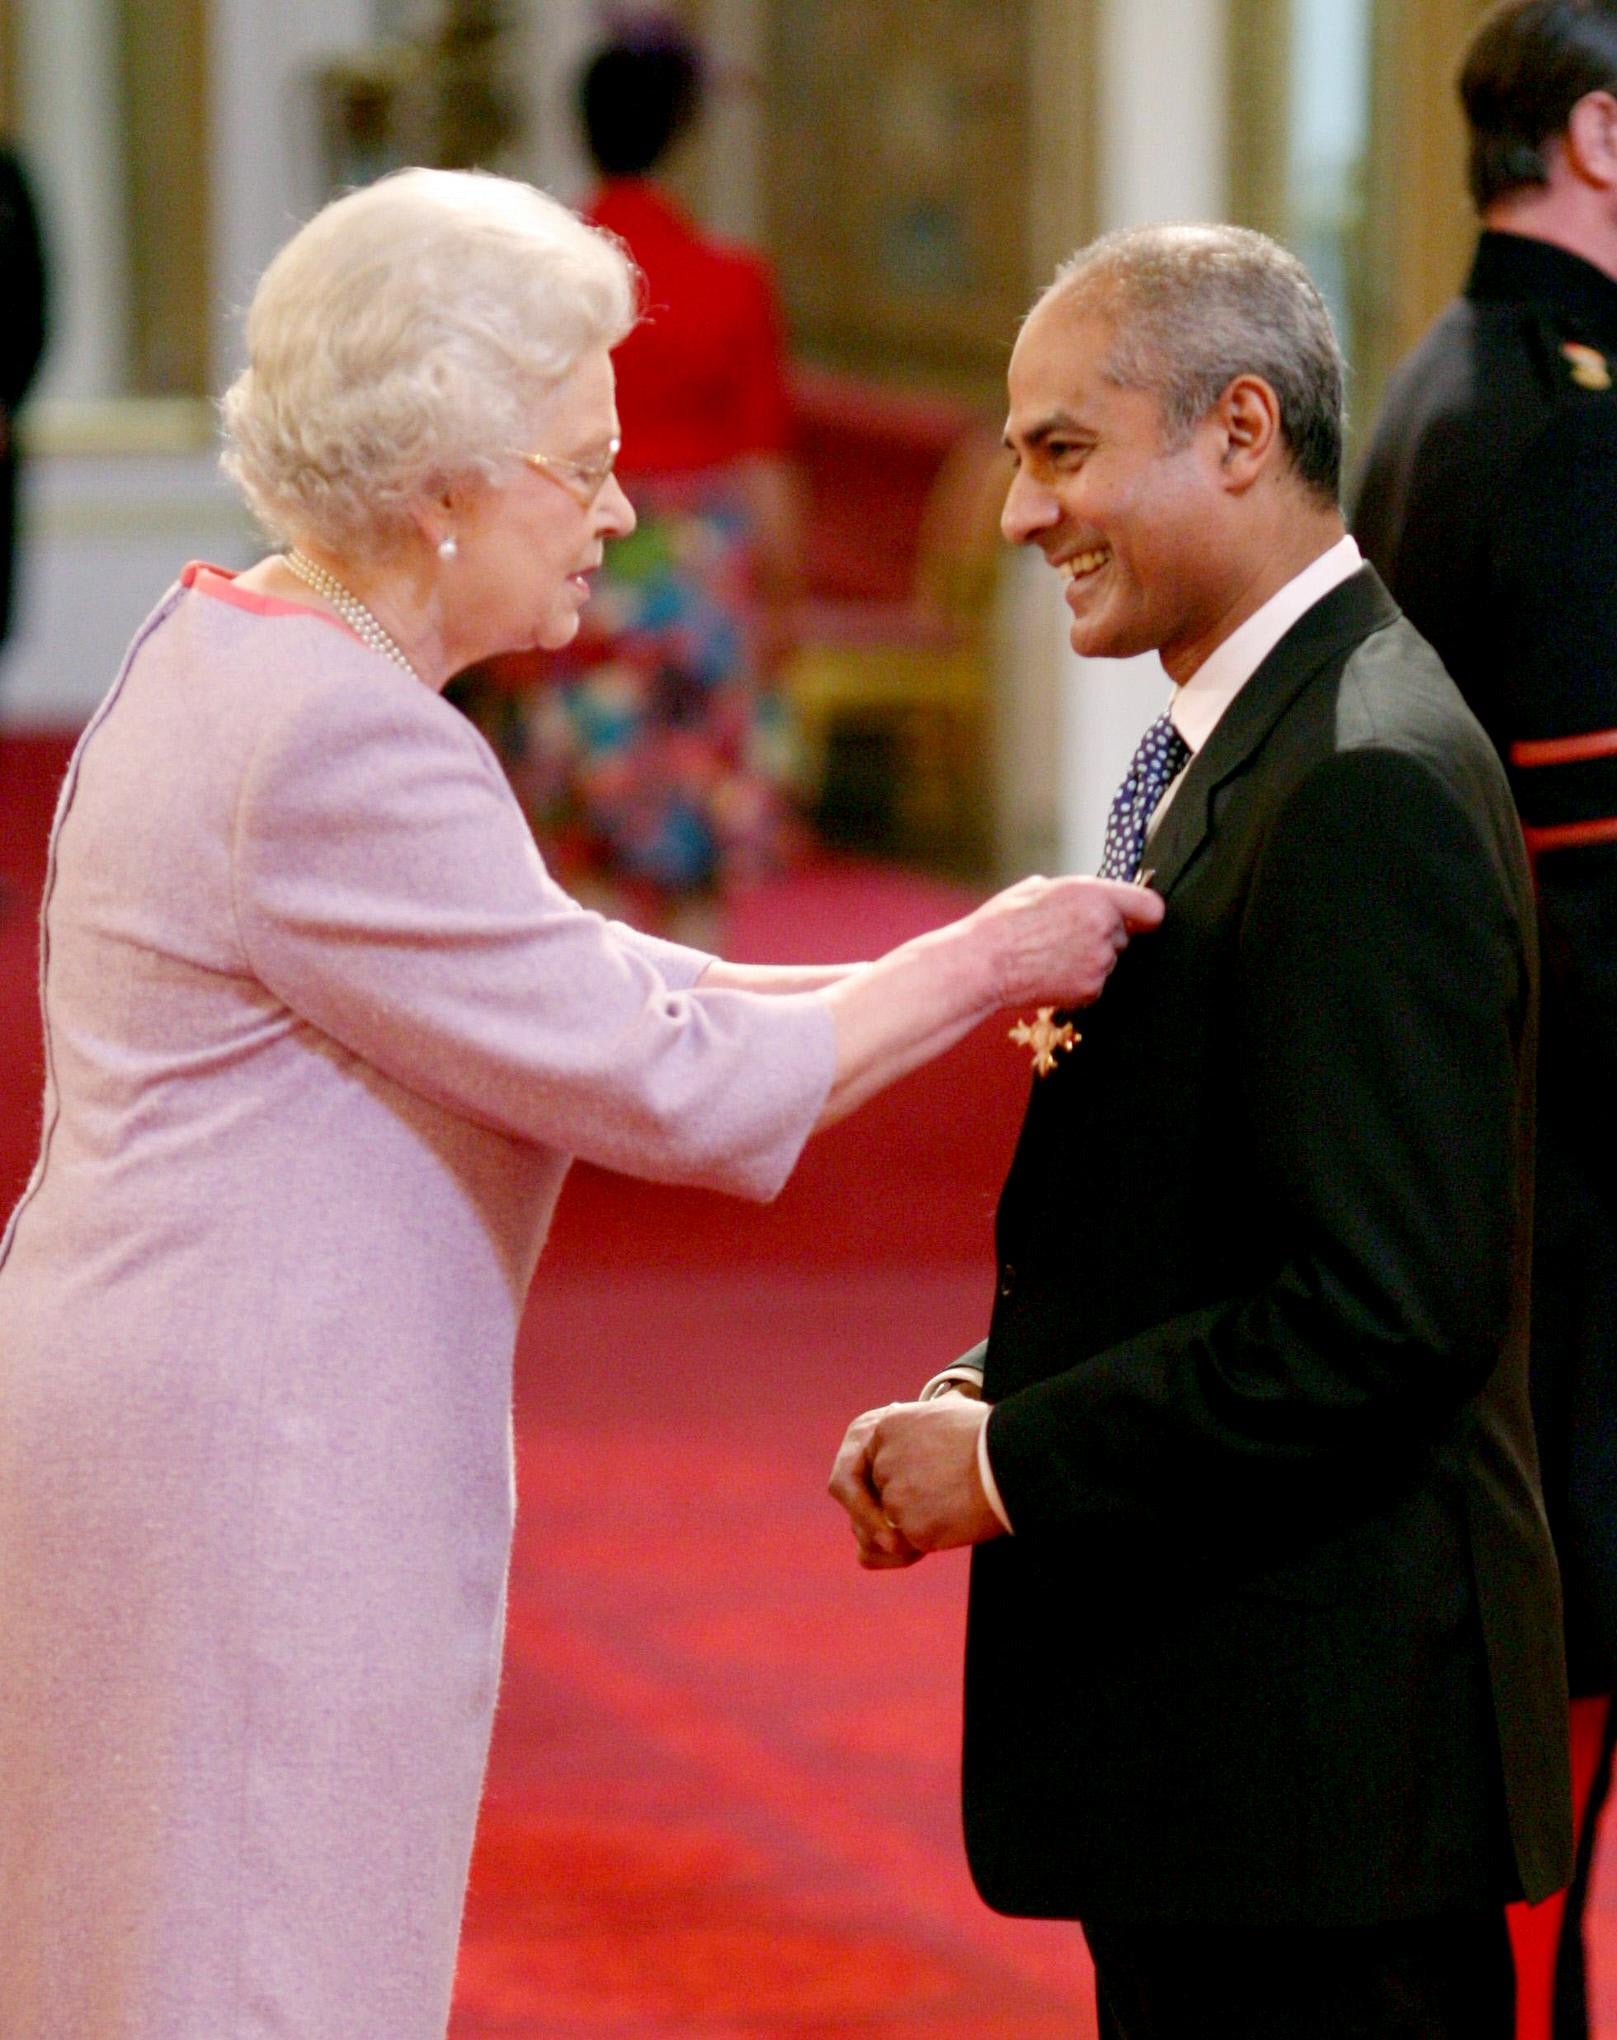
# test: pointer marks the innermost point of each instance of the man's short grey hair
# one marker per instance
(1193, 307)
(402, 339)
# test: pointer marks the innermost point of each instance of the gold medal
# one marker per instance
(1044, 1037)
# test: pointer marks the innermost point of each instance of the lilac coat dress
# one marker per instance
(321, 1037)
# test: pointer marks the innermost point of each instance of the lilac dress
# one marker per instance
(321, 1037)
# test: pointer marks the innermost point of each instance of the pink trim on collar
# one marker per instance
(219, 583)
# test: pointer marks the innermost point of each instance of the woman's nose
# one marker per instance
(615, 511)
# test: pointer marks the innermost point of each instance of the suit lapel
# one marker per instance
(1338, 621)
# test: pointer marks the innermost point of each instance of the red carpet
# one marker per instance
(722, 1795)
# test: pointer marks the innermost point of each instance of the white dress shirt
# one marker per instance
(1196, 709)
(1199, 704)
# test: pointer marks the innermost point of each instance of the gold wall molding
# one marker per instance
(1024, 142)
(10, 110)
(162, 61)
(155, 209)
(1061, 164)
(1412, 236)
(1425, 222)
(1260, 66)
(899, 158)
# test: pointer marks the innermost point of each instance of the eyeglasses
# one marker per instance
(582, 479)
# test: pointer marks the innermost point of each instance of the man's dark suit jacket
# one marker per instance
(1277, 1639)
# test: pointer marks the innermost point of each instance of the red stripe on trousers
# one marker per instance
(1535, 1930)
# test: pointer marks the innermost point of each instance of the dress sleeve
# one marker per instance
(678, 966)
(388, 892)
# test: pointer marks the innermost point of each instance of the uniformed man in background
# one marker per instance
(22, 342)
(1489, 504)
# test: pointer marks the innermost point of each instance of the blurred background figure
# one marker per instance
(1485, 502)
(655, 770)
(22, 342)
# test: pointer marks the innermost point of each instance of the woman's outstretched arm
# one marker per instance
(1046, 941)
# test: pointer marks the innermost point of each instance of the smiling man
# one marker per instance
(1263, 1663)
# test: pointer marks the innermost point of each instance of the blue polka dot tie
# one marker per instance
(1161, 756)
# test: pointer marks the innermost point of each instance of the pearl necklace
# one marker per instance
(348, 607)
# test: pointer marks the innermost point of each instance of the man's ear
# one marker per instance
(1589, 142)
(1247, 417)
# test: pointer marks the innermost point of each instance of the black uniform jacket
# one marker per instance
(1489, 503)
(1277, 1638)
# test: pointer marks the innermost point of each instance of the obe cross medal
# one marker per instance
(1044, 1037)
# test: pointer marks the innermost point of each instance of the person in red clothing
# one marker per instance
(651, 757)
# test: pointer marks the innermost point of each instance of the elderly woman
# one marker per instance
(321, 1037)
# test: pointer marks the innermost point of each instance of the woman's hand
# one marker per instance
(1054, 941)
(1046, 941)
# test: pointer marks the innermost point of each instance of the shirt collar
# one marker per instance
(1197, 706)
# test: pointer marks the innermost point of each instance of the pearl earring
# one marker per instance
(448, 547)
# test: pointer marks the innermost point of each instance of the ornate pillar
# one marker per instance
(71, 128)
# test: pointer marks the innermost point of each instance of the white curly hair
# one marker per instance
(400, 341)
